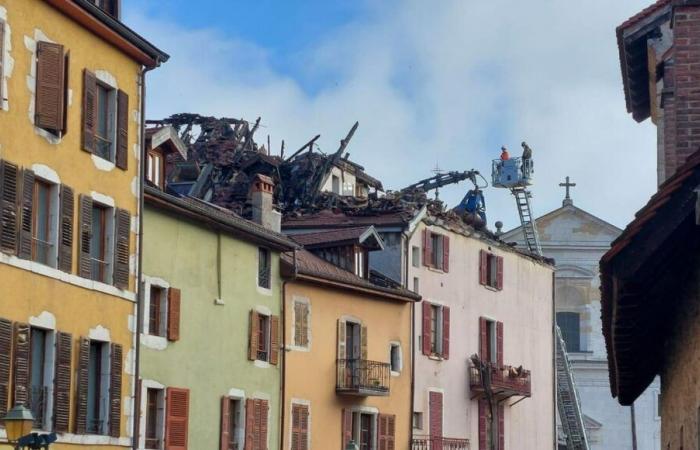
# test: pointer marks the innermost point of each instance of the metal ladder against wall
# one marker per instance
(522, 199)
(568, 402)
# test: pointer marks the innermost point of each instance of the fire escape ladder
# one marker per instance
(568, 401)
(522, 199)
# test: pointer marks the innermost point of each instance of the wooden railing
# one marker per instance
(439, 443)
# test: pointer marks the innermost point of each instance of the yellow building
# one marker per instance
(71, 79)
(348, 360)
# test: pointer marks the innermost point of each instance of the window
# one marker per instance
(232, 423)
(157, 311)
(99, 243)
(415, 256)
(155, 168)
(41, 374)
(264, 338)
(301, 323)
(43, 214)
(111, 7)
(491, 270)
(155, 407)
(436, 255)
(436, 251)
(491, 347)
(417, 420)
(51, 88)
(104, 130)
(98, 388)
(416, 285)
(395, 358)
(300, 427)
(436, 330)
(264, 268)
(570, 325)
(335, 184)
(360, 262)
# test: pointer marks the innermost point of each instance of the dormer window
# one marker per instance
(155, 168)
(360, 262)
(111, 7)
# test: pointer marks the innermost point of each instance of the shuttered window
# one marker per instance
(436, 330)
(256, 424)
(41, 352)
(65, 244)
(263, 338)
(491, 341)
(37, 230)
(300, 427)
(173, 331)
(157, 310)
(9, 190)
(177, 418)
(436, 251)
(490, 270)
(122, 236)
(99, 386)
(231, 424)
(5, 362)
(20, 365)
(155, 405)
(50, 86)
(115, 390)
(387, 430)
(62, 382)
(301, 323)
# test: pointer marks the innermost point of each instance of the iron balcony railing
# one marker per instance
(439, 443)
(38, 396)
(152, 443)
(362, 377)
(100, 269)
(506, 381)
(42, 250)
(96, 426)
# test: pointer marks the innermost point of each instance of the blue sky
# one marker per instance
(431, 83)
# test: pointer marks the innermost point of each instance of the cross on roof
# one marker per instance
(568, 185)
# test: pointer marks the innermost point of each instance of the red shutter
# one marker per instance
(346, 427)
(483, 339)
(176, 418)
(262, 410)
(122, 235)
(65, 239)
(173, 314)
(501, 427)
(249, 424)
(20, 364)
(499, 273)
(122, 154)
(254, 330)
(381, 432)
(26, 215)
(483, 267)
(427, 332)
(446, 253)
(82, 387)
(225, 422)
(274, 339)
(387, 429)
(446, 332)
(483, 417)
(5, 362)
(85, 259)
(427, 248)
(9, 189)
(89, 111)
(115, 391)
(435, 408)
(62, 382)
(499, 344)
(49, 86)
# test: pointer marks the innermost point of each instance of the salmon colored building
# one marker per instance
(347, 336)
(71, 80)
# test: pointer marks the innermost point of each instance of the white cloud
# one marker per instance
(439, 83)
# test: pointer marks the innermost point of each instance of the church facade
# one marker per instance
(576, 240)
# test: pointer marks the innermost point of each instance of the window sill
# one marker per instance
(491, 288)
(262, 364)
(84, 439)
(154, 342)
(433, 269)
(436, 357)
(395, 374)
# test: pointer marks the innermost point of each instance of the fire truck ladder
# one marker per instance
(522, 198)
(568, 402)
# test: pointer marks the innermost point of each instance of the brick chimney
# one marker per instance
(660, 60)
(264, 212)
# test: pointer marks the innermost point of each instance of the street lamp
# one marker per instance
(18, 422)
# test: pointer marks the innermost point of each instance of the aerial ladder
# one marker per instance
(515, 174)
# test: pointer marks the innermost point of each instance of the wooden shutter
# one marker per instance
(346, 427)
(5, 362)
(502, 427)
(249, 424)
(435, 408)
(89, 111)
(122, 156)
(274, 339)
(225, 422)
(446, 253)
(483, 267)
(65, 240)
(301, 324)
(363, 343)
(122, 235)
(483, 417)
(296, 428)
(50, 93)
(427, 329)
(446, 332)
(173, 314)
(85, 262)
(176, 418)
(9, 174)
(20, 364)
(115, 391)
(499, 344)
(303, 427)
(82, 386)
(2, 59)
(499, 273)
(254, 331)
(61, 392)
(342, 352)
(26, 215)
(262, 410)
(387, 432)
(427, 248)
(66, 90)
(483, 339)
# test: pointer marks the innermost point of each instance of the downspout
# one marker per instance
(136, 409)
(413, 341)
(283, 384)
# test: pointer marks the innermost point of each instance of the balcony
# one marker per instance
(362, 377)
(439, 443)
(505, 382)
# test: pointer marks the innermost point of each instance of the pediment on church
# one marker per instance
(571, 271)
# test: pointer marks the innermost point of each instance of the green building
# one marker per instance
(210, 372)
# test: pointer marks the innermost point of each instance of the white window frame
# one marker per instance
(105, 385)
(262, 363)
(109, 236)
(54, 218)
(145, 385)
(307, 302)
(356, 429)
(111, 119)
(416, 285)
(49, 373)
(415, 256)
(263, 289)
(395, 346)
(417, 418)
(438, 328)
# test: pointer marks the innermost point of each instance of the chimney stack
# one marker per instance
(264, 212)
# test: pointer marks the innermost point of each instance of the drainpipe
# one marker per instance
(136, 409)
(634, 428)
(407, 249)
(283, 362)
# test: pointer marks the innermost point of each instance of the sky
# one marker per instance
(432, 84)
